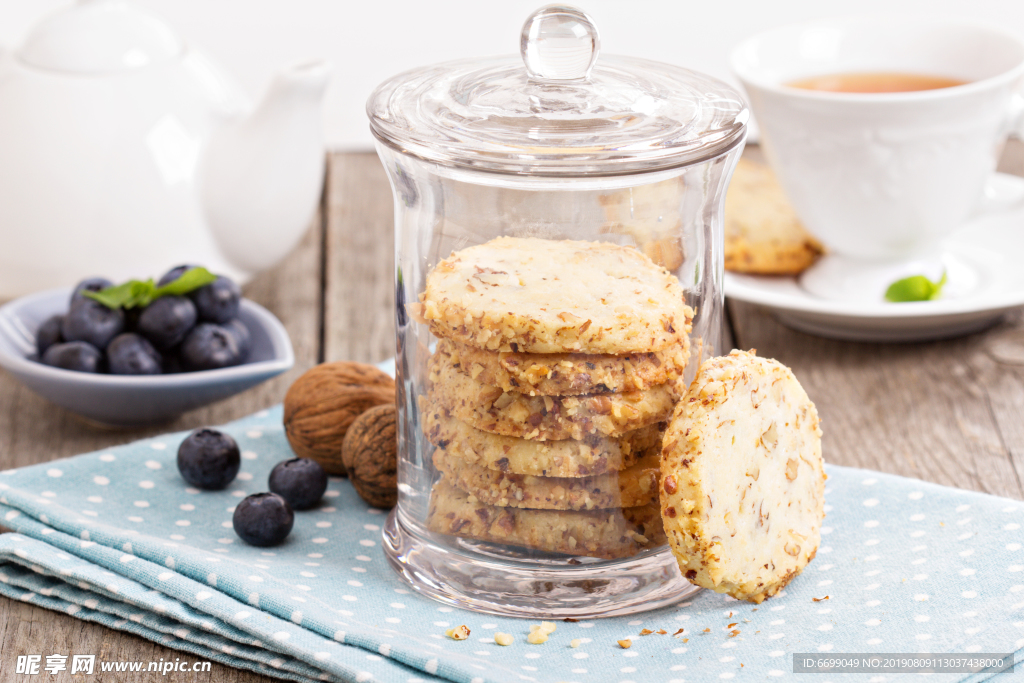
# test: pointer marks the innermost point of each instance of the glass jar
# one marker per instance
(558, 232)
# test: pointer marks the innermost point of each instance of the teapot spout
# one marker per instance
(262, 175)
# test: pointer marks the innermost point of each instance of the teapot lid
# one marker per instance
(558, 110)
(99, 36)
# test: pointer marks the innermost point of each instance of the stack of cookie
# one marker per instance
(557, 364)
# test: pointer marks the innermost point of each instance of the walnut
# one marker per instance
(370, 454)
(322, 404)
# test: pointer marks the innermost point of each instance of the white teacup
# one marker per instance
(881, 178)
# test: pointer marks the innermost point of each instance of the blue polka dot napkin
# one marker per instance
(117, 537)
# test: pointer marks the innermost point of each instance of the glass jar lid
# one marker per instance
(559, 110)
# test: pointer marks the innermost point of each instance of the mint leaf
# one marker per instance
(915, 288)
(141, 293)
(190, 280)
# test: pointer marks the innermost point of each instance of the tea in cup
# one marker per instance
(883, 131)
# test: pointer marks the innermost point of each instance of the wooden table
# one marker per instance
(951, 412)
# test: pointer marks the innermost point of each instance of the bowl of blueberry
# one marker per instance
(142, 352)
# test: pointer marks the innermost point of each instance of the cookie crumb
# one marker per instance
(537, 637)
(575, 642)
(570, 620)
(646, 632)
(661, 631)
(819, 599)
(503, 638)
(625, 644)
(678, 632)
(458, 633)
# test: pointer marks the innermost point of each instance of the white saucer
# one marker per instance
(988, 250)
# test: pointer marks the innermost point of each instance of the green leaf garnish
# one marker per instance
(141, 293)
(915, 288)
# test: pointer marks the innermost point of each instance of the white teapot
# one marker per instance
(124, 151)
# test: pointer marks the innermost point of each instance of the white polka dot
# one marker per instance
(319, 540)
(916, 518)
(727, 675)
(108, 457)
(1013, 546)
(870, 502)
(362, 558)
(915, 495)
(225, 541)
(967, 572)
(135, 519)
(923, 636)
(317, 556)
(872, 622)
(254, 434)
(146, 484)
(871, 558)
(94, 499)
(367, 543)
(323, 525)
(1015, 568)
(920, 577)
(355, 583)
(249, 455)
(281, 635)
(969, 594)
(227, 525)
(335, 494)
(191, 490)
(204, 595)
(183, 522)
(917, 534)
(158, 446)
(102, 481)
(871, 541)
(921, 597)
(826, 530)
(532, 655)
(187, 507)
(297, 617)
(827, 582)
(393, 620)
(825, 627)
(871, 523)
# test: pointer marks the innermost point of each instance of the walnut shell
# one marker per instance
(321, 405)
(370, 454)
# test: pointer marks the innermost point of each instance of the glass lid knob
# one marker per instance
(559, 43)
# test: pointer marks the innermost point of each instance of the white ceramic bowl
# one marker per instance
(130, 401)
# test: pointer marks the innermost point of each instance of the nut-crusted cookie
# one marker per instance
(633, 486)
(601, 533)
(531, 295)
(545, 417)
(589, 457)
(742, 486)
(762, 232)
(569, 374)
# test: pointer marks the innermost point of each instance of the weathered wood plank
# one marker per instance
(359, 292)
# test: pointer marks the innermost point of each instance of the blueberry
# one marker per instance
(208, 347)
(48, 334)
(131, 354)
(208, 459)
(263, 519)
(90, 321)
(173, 274)
(242, 336)
(167, 321)
(93, 284)
(300, 481)
(77, 355)
(172, 362)
(218, 301)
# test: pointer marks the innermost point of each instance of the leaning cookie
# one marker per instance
(742, 486)
(762, 232)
